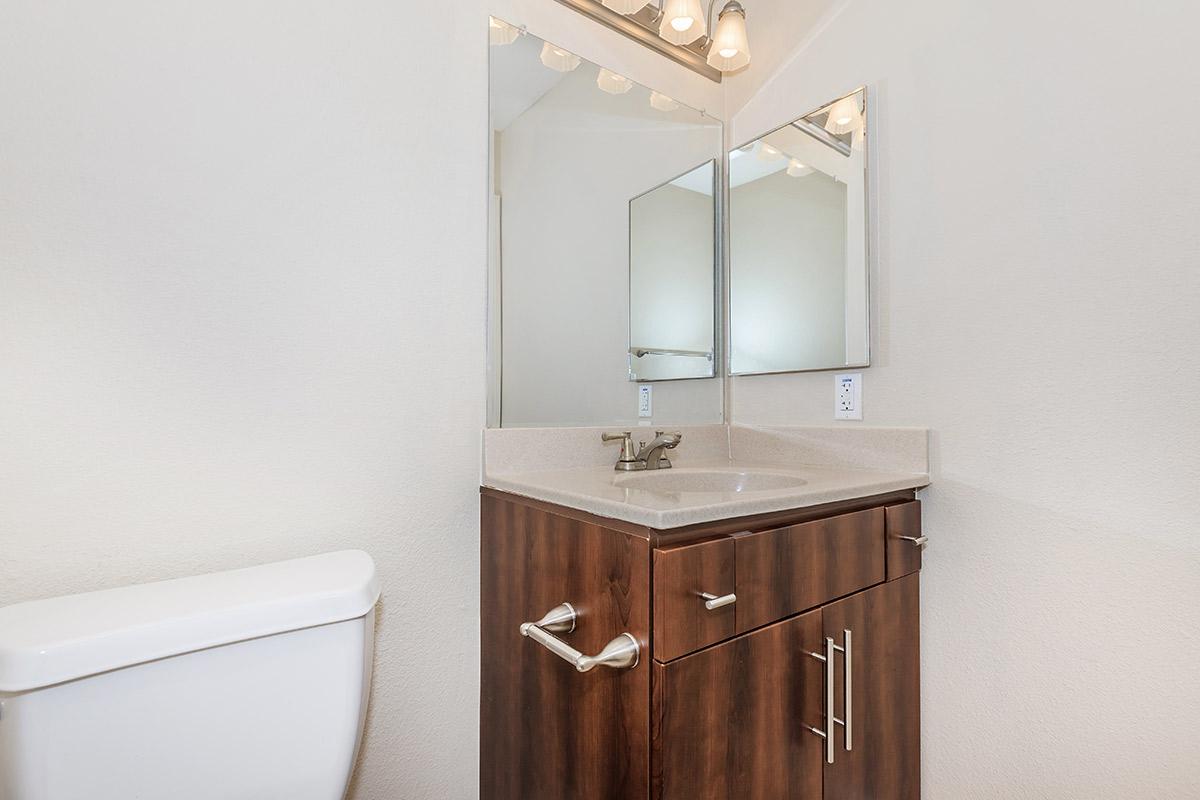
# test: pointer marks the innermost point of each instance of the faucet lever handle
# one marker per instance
(628, 456)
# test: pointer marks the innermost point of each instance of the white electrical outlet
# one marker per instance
(645, 400)
(847, 400)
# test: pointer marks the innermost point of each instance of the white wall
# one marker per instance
(1036, 301)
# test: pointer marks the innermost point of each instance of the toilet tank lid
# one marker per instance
(45, 642)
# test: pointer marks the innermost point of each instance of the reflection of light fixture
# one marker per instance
(856, 138)
(797, 169)
(613, 83)
(683, 21)
(625, 6)
(768, 153)
(730, 48)
(844, 116)
(558, 59)
(500, 32)
(661, 102)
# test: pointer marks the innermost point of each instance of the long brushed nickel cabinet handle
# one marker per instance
(712, 602)
(830, 720)
(621, 653)
(916, 540)
(847, 649)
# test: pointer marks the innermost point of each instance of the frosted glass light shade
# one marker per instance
(661, 102)
(558, 59)
(624, 6)
(844, 116)
(683, 21)
(613, 83)
(768, 153)
(501, 33)
(798, 170)
(730, 49)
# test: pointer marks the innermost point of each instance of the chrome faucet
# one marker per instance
(648, 455)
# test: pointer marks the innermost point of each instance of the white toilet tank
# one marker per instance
(242, 685)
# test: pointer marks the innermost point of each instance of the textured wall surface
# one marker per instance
(1036, 307)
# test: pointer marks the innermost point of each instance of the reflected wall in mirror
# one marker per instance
(602, 242)
(798, 238)
(672, 282)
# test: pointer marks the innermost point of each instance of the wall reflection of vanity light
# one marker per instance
(558, 59)
(611, 82)
(501, 33)
(661, 102)
(768, 153)
(797, 169)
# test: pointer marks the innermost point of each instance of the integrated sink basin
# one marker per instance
(687, 481)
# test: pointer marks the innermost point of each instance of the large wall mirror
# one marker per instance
(602, 271)
(798, 239)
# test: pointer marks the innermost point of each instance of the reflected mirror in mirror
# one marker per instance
(601, 243)
(672, 283)
(799, 267)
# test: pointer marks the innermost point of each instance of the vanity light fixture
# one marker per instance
(730, 48)
(683, 21)
(660, 101)
(611, 82)
(501, 33)
(679, 30)
(558, 59)
(625, 6)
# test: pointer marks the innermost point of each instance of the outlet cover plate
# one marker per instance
(847, 398)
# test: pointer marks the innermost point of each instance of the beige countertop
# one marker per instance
(788, 468)
(607, 493)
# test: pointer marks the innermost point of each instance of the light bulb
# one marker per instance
(501, 33)
(613, 83)
(661, 102)
(683, 21)
(624, 6)
(731, 46)
(558, 59)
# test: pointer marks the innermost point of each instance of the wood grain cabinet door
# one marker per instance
(882, 759)
(729, 721)
(904, 539)
(548, 732)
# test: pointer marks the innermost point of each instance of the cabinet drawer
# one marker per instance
(903, 527)
(682, 622)
(785, 571)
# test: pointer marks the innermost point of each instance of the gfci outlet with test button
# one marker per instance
(848, 396)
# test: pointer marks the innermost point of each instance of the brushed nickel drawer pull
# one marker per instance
(712, 602)
(621, 653)
(916, 540)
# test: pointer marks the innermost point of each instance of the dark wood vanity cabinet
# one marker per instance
(727, 703)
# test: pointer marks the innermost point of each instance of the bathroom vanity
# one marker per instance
(777, 652)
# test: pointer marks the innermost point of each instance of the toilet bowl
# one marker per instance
(242, 685)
